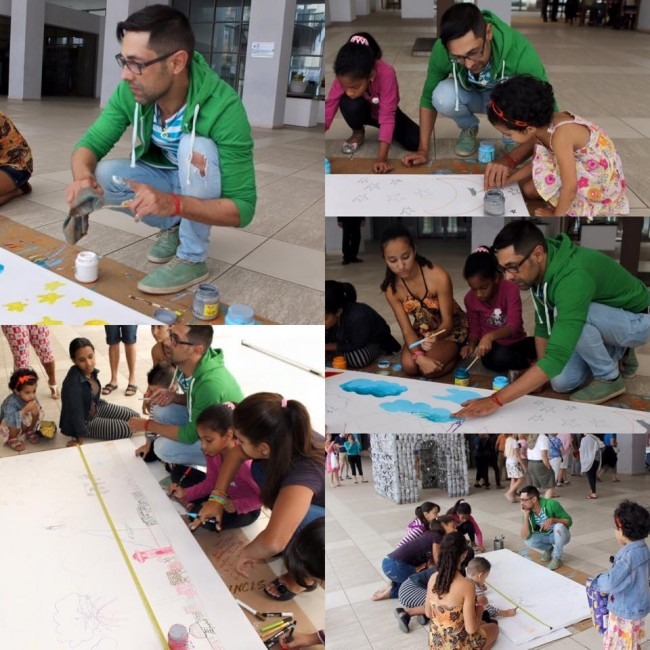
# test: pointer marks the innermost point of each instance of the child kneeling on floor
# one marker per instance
(21, 413)
(478, 570)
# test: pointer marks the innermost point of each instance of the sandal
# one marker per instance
(35, 437)
(108, 389)
(349, 148)
(15, 443)
(284, 593)
(54, 391)
(131, 390)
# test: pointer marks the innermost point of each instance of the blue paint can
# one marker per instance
(499, 382)
(486, 152)
(461, 377)
(240, 315)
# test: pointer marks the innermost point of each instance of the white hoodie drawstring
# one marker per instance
(503, 69)
(134, 135)
(453, 69)
(192, 138)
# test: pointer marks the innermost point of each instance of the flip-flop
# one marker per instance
(131, 390)
(284, 593)
(108, 389)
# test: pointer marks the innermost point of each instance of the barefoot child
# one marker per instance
(575, 168)
(21, 413)
(366, 92)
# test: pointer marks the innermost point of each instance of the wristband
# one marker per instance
(177, 205)
(510, 159)
(416, 353)
(218, 498)
(496, 400)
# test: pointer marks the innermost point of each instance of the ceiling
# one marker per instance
(82, 5)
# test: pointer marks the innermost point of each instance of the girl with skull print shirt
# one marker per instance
(496, 326)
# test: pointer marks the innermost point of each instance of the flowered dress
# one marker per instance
(427, 317)
(447, 630)
(601, 184)
(623, 633)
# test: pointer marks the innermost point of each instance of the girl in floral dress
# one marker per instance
(575, 167)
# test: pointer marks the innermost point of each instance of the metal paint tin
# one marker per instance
(494, 203)
(206, 302)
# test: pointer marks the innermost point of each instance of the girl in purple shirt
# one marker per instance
(496, 326)
(366, 92)
(215, 429)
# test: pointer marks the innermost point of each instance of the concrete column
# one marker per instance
(26, 49)
(484, 230)
(631, 453)
(342, 11)
(116, 11)
(265, 89)
(501, 8)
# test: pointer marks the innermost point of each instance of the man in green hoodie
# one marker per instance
(191, 163)
(478, 50)
(204, 380)
(590, 314)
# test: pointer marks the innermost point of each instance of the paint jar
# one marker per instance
(328, 166)
(383, 367)
(397, 367)
(499, 382)
(177, 637)
(240, 315)
(165, 316)
(598, 605)
(86, 267)
(494, 203)
(486, 152)
(461, 377)
(206, 302)
(499, 543)
(339, 362)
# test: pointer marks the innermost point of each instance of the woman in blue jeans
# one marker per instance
(288, 464)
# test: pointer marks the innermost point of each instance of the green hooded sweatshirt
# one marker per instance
(213, 111)
(511, 54)
(211, 383)
(575, 277)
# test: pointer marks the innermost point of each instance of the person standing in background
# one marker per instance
(351, 227)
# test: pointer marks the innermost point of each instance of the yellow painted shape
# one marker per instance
(49, 321)
(16, 306)
(96, 322)
(50, 297)
(54, 285)
(82, 302)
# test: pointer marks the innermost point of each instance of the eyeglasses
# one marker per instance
(474, 55)
(522, 499)
(135, 66)
(514, 268)
(176, 341)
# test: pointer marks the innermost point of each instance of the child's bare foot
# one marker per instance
(382, 594)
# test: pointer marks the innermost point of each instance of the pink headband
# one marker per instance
(361, 40)
(284, 403)
(482, 249)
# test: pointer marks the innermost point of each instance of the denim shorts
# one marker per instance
(18, 176)
(117, 333)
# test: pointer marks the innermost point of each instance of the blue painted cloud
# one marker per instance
(373, 387)
(420, 409)
(458, 395)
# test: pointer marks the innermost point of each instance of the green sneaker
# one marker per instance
(176, 275)
(597, 391)
(165, 247)
(467, 142)
(546, 556)
(554, 564)
(629, 364)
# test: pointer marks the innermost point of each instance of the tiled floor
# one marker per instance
(363, 527)
(450, 255)
(275, 265)
(600, 74)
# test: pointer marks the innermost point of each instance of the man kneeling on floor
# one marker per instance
(545, 526)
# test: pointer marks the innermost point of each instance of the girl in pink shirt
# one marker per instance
(215, 429)
(366, 92)
(496, 326)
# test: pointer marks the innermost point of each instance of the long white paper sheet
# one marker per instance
(368, 403)
(31, 294)
(413, 195)
(547, 601)
(65, 583)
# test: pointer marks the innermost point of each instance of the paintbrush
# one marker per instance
(178, 312)
(415, 345)
(476, 358)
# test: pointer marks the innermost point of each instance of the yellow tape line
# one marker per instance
(125, 555)
(523, 609)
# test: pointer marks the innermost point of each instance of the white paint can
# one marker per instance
(86, 267)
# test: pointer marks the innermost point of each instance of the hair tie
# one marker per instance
(482, 249)
(284, 403)
(24, 379)
(230, 405)
(500, 114)
(361, 40)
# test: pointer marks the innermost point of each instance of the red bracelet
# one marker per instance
(177, 205)
(496, 400)
(510, 159)
(416, 353)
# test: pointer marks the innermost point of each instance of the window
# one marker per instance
(306, 68)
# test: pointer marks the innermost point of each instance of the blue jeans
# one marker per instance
(173, 451)
(469, 102)
(556, 541)
(396, 571)
(185, 180)
(605, 336)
